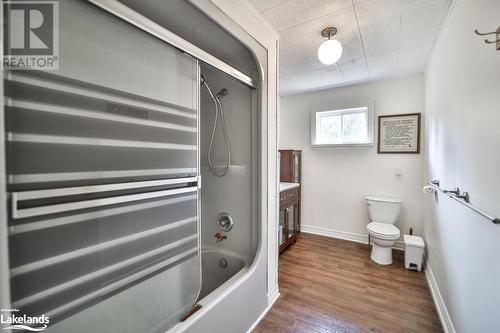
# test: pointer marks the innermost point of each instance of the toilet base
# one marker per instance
(382, 255)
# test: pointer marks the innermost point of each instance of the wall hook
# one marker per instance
(435, 182)
(455, 192)
(497, 37)
(464, 196)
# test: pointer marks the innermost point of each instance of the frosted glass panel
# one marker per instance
(101, 169)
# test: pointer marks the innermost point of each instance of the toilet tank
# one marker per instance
(383, 209)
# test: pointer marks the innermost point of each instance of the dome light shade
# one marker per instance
(330, 51)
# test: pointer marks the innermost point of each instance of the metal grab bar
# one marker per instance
(82, 204)
(464, 200)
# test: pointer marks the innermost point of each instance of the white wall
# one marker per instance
(336, 181)
(462, 92)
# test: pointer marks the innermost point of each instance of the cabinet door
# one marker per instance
(286, 166)
(282, 228)
(297, 167)
(291, 214)
(297, 223)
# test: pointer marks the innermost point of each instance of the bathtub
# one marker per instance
(219, 269)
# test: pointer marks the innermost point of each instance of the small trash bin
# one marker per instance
(414, 252)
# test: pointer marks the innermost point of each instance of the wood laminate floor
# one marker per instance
(331, 285)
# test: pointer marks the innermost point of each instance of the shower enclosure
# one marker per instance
(113, 200)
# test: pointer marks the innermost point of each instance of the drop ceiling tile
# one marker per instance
(395, 36)
(306, 38)
(292, 13)
(383, 71)
(414, 56)
(382, 59)
(424, 6)
(382, 65)
(318, 78)
(262, 5)
(420, 14)
(414, 38)
(379, 24)
(349, 65)
(380, 43)
(378, 10)
(358, 75)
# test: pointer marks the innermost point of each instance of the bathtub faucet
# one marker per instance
(219, 237)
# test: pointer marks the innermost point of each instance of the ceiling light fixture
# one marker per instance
(330, 51)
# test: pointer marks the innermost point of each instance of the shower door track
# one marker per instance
(129, 15)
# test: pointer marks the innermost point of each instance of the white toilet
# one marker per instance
(383, 212)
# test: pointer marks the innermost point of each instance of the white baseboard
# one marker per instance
(272, 297)
(350, 236)
(443, 313)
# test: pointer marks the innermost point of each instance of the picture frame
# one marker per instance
(399, 133)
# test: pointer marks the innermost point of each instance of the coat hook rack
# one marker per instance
(497, 37)
(462, 198)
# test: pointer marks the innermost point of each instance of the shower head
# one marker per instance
(221, 93)
(202, 80)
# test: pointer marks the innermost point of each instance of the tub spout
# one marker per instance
(219, 237)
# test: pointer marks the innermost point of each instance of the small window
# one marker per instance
(345, 127)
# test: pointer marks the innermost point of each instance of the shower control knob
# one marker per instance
(225, 222)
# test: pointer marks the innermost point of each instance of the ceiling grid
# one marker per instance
(380, 38)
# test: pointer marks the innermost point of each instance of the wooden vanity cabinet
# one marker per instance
(290, 166)
(289, 218)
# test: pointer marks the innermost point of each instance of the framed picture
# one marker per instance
(399, 134)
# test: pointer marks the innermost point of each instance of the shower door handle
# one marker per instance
(19, 197)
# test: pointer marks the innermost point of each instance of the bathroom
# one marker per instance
(250, 166)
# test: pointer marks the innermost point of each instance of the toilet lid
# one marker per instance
(383, 230)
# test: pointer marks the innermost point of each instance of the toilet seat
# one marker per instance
(383, 230)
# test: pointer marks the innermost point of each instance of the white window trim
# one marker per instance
(341, 110)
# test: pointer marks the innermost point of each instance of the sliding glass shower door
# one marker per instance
(102, 177)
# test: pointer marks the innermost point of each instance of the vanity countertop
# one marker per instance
(287, 186)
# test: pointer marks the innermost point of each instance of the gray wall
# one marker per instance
(186, 21)
(462, 90)
(233, 192)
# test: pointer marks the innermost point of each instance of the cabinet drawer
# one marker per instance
(289, 196)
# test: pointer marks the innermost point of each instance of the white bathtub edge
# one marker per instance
(219, 293)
